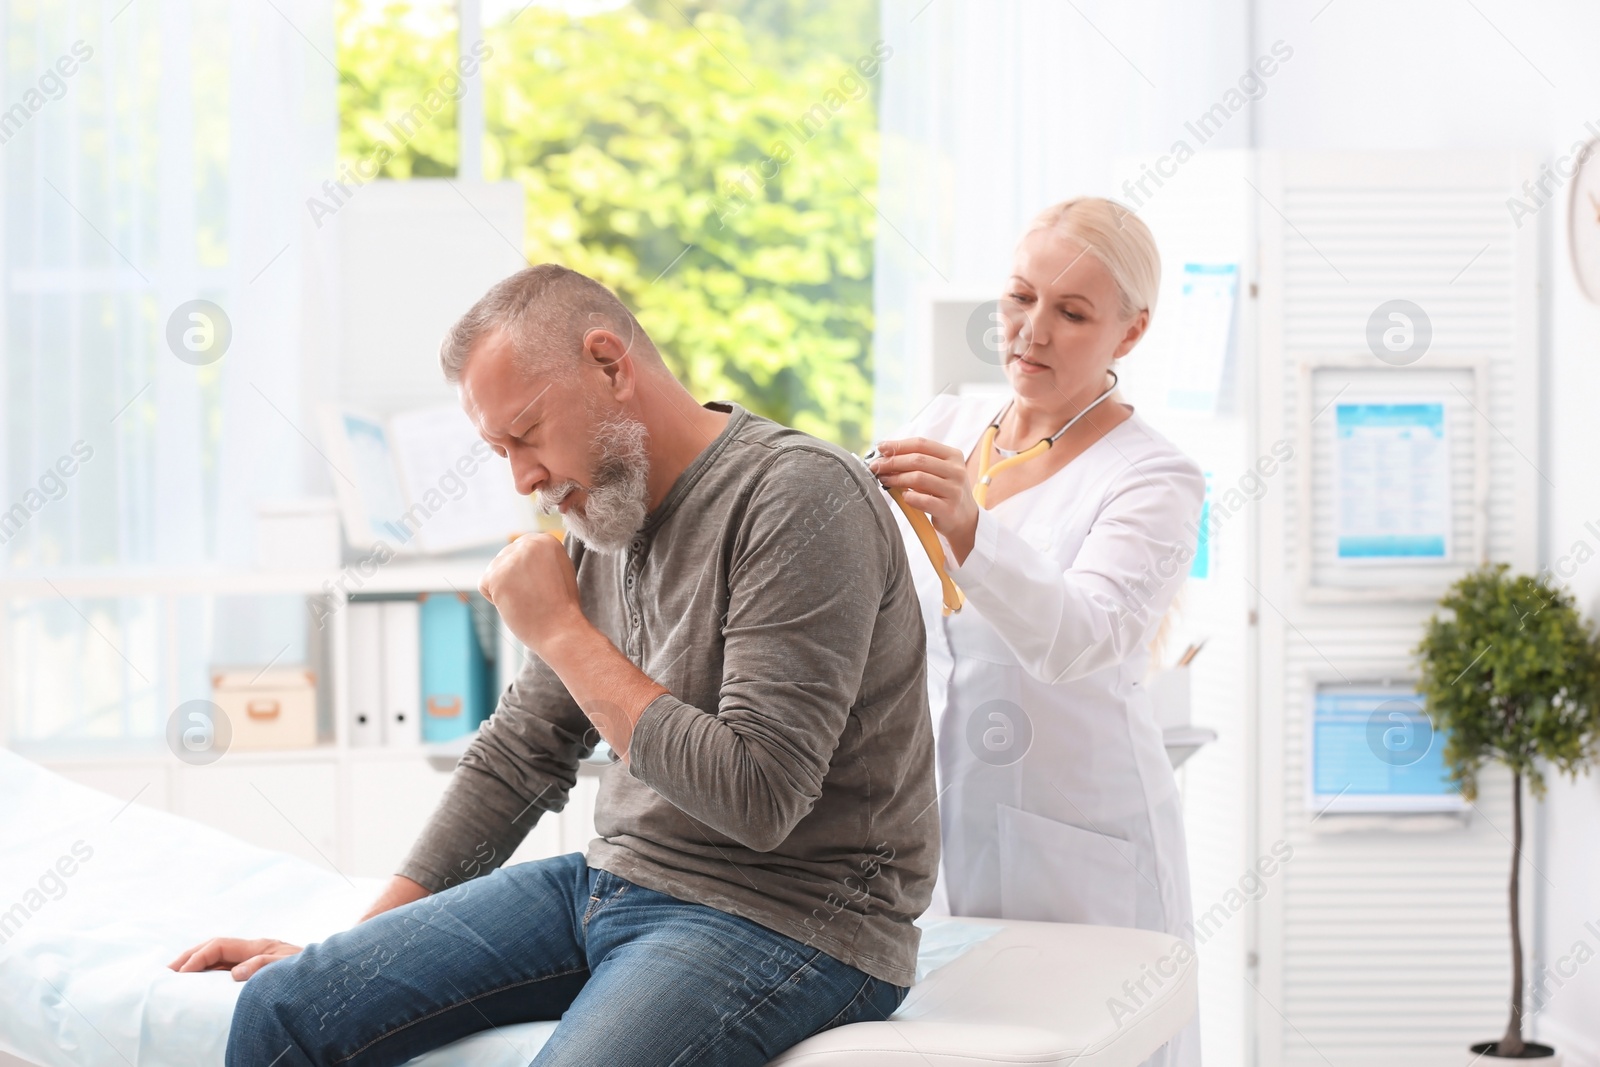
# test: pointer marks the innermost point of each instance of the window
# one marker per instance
(150, 156)
(398, 88)
(714, 163)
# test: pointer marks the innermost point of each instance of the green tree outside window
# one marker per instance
(714, 163)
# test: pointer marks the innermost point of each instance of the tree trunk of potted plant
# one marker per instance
(1512, 1044)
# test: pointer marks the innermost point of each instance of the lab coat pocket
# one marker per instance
(1052, 871)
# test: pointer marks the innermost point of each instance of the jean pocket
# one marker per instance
(604, 887)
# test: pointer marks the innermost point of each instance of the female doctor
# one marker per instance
(1068, 524)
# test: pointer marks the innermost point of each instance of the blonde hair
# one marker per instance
(1117, 238)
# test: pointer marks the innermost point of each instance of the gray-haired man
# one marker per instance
(735, 617)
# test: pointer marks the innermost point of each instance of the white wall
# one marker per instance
(1441, 74)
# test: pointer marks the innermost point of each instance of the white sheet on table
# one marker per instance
(84, 979)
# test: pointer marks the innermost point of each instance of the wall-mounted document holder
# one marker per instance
(1394, 478)
(1373, 749)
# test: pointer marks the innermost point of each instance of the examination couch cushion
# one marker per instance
(97, 895)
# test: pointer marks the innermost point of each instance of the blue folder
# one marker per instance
(455, 671)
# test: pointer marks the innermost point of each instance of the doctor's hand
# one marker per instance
(241, 956)
(933, 478)
(533, 586)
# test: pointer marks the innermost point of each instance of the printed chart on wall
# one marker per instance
(1373, 748)
(1392, 480)
(1204, 336)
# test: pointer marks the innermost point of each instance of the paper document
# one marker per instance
(1203, 336)
(1373, 748)
(420, 482)
(1392, 477)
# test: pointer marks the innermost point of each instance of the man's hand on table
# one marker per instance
(243, 957)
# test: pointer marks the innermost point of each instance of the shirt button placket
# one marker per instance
(635, 563)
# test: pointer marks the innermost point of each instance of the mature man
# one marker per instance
(735, 618)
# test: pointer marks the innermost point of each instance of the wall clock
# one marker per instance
(1583, 221)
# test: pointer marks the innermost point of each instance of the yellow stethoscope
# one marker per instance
(922, 526)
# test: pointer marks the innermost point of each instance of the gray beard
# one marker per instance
(618, 501)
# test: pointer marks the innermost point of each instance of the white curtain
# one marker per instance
(155, 152)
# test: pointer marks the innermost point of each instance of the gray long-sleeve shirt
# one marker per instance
(787, 777)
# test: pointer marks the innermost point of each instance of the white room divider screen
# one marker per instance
(1384, 939)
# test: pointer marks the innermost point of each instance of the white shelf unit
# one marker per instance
(355, 810)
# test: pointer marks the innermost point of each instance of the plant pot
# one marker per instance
(1482, 1055)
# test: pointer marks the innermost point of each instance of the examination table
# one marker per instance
(97, 895)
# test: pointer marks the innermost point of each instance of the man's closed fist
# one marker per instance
(532, 584)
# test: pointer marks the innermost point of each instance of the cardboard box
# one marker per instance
(268, 709)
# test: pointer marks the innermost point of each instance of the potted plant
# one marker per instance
(1511, 675)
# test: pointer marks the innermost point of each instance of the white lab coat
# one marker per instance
(1065, 586)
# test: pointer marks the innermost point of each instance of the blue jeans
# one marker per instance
(637, 978)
